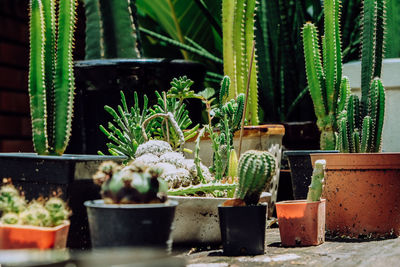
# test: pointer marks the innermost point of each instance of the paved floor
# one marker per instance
(331, 253)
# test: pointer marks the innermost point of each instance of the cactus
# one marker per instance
(317, 179)
(324, 76)
(238, 38)
(111, 29)
(51, 77)
(256, 169)
(360, 129)
(11, 200)
(135, 184)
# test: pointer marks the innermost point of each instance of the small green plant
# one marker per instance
(317, 180)
(325, 77)
(361, 124)
(51, 75)
(111, 29)
(16, 210)
(238, 38)
(256, 169)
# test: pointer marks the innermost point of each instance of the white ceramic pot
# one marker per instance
(263, 137)
(196, 219)
(391, 81)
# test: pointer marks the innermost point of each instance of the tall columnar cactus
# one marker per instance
(256, 169)
(238, 38)
(317, 180)
(51, 76)
(324, 75)
(111, 29)
(360, 128)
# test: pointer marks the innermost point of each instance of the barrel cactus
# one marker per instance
(256, 169)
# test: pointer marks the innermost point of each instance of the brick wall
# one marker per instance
(15, 128)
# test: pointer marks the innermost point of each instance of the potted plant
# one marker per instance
(114, 62)
(134, 210)
(41, 224)
(362, 189)
(242, 221)
(302, 222)
(51, 91)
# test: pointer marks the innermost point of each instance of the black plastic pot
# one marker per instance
(301, 170)
(99, 82)
(70, 175)
(243, 229)
(127, 225)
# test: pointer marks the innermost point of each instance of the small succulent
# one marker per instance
(11, 200)
(10, 218)
(35, 215)
(57, 210)
(317, 180)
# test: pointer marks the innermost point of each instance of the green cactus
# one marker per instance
(317, 180)
(135, 184)
(10, 218)
(238, 37)
(324, 76)
(51, 76)
(11, 200)
(360, 129)
(57, 210)
(256, 169)
(111, 29)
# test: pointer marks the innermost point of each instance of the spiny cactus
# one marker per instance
(111, 29)
(238, 38)
(135, 184)
(51, 76)
(256, 169)
(361, 125)
(16, 210)
(324, 76)
(317, 180)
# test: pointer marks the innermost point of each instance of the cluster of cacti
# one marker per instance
(229, 116)
(51, 76)
(361, 124)
(317, 180)
(324, 76)
(111, 29)
(256, 169)
(126, 130)
(16, 210)
(238, 39)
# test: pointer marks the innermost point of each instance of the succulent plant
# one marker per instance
(317, 180)
(57, 210)
(11, 200)
(51, 75)
(10, 218)
(256, 169)
(361, 124)
(35, 215)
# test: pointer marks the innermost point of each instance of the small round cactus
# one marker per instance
(256, 169)
(57, 209)
(11, 200)
(35, 215)
(10, 218)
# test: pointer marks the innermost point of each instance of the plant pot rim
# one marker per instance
(198, 198)
(307, 152)
(359, 161)
(259, 205)
(299, 202)
(64, 157)
(132, 61)
(99, 203)
(32, 227)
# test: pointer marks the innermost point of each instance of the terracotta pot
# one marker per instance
(301, 223)
(262, 137)
(26, 236)
(362, 193)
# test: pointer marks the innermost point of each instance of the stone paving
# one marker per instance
(331, 253)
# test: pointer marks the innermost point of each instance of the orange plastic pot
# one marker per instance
(362, 193)
(26, 236)
(301, 223)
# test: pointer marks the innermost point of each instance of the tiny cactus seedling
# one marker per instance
(317, 180)
(256, 169)
(51, 75)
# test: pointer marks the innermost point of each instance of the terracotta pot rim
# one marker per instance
(359, 161)
(299, 202)
(99, 204)
(39, 228)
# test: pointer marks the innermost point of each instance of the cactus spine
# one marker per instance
(111, 29)
(256, 169)
(51, 76)
(238, 38)
(325, 80)
(317, 179)
(362, 123)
